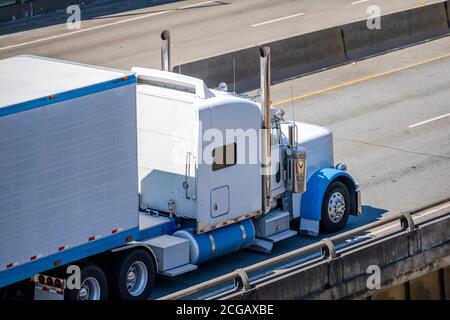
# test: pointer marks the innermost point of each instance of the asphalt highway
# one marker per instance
(390, 114)
(199, 29)
(390, 117)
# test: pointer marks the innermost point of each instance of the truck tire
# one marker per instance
(335, 207)
(3, 293)
(94, 284)
(132, 275)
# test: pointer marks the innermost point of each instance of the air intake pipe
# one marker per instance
(265, 128)
(165, 51)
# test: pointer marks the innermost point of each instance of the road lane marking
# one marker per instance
(358, 2)
(102, 26)
(195, 5)
(429, 120)
(84, 30)
(357, 81)
(278, 19)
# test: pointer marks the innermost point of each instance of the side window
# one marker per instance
(224, 156)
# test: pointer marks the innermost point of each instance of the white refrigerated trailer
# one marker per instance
(123, 175)
(68, 180)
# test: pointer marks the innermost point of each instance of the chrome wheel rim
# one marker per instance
(336, 207)
(90, 289)
(137, 277)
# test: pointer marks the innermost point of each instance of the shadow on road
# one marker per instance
(96, 11)
(369, 214)
(243, 258)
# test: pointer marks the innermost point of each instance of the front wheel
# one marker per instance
(335, 207)
(132, 275)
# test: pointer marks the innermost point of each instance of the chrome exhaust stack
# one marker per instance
(165, 51)
(265, 126)
(292, 136)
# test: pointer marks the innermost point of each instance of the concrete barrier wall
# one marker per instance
(306, 53)
(242, 65)
(327, 48)
(397, 30)
(290, 57)
(401, 257)
(447, 5)
(37, 7)
(33, 8)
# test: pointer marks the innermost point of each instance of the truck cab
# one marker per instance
(201, 159)
(144, 172)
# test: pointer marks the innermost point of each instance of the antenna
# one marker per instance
(292, 103)
(234, 74)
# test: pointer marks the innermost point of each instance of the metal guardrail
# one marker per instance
(241, 278)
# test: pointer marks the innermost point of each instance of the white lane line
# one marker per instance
(429, 120)
(279, 19)
(196, 4)
(85, 30)
(358, 2)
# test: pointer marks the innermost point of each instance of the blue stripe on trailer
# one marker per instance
(28, 270)
(68, 95)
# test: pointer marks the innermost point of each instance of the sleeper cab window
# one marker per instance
(224, 156)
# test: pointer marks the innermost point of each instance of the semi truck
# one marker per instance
(110, 177)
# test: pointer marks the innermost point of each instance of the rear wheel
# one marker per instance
(335, 207)
(3, 293)
(93, 285)
(132, 275)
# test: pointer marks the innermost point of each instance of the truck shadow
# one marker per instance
(243, 258)
(369, 214)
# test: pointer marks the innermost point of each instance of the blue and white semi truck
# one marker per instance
(123, 175)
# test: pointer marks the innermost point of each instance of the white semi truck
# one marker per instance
(123, 175)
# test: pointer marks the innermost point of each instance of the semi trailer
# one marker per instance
(109, 177)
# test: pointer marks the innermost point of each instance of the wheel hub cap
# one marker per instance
(90, 289)
(336, 207)
(137, 277)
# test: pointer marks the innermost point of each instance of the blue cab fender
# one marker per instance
(311, 200)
